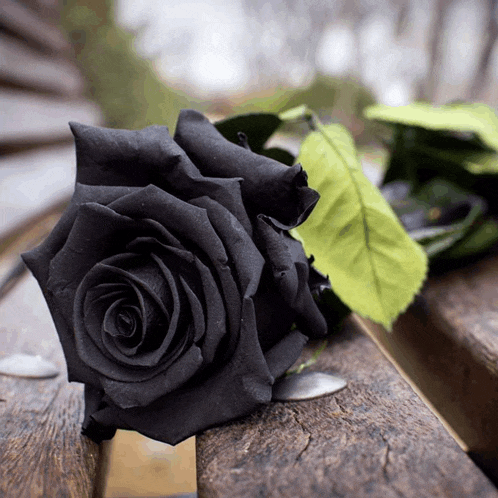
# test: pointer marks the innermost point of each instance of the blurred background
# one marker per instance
(260, 54)
(133, 63)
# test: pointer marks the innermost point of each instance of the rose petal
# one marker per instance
(310, 320)
(39, 257)
(95, 234)
(110, 157)
(94, 403)
(285, 353)
(238, 388)
(181, 218)
(158, 233)
(146, 288)
(242, 253)
(269, 187)
(214, 307)
(92, 350)
(290, 269)
(227, 193)
(138, 158)
(239, 246)
(100, 305)
(117, 348)
(162, 335)
(273, 245)
(196, 311)
(132, 394)
(118, 325)
(216, 324)
(274, 316)
(191, 223)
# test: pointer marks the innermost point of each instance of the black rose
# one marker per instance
(172, 280)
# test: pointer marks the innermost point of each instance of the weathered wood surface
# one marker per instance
(375, 438)
(42, 453)
(447, 344)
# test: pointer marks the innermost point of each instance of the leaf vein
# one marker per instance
(363, 210)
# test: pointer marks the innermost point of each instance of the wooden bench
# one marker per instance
(447, 345)
(375, 438)
(42, 453)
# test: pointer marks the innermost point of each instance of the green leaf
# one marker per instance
(462, 117)
(477, 162)
(279, 155)
(373, 265)
(258, 127)
(442, 218)
(464, 212)
(439, 244)
(481, 238)
(296, 113)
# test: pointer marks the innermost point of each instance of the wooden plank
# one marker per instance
(42, 452)
(28, 24)
(375, 438)
(447, 344)
(21, 65)
(31, 182)
(30, 118)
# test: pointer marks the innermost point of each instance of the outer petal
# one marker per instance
(290, 269)
(284, 354)
(241, 250)
(232, 391)
(38, 261)
(39, 258)
(109, 157)
(269, 187)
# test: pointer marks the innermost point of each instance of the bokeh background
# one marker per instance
(227, 56)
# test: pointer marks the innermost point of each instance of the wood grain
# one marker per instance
(375, 438)
(42, 453)
(447, 344)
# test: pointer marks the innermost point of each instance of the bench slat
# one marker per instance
(375, 438)
(30, 118)
(24, 66)
(447, 343)
(32, 181)
(42, 452)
